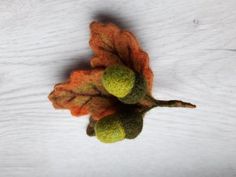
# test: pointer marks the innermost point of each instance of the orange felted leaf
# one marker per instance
(113, 45)
(84, 94)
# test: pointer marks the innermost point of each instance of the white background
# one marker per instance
(192, 47)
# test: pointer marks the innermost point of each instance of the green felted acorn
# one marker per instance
(122, 82)
(118, 80)
(110, 129)
(116, 127)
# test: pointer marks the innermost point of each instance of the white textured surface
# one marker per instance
(192, 46)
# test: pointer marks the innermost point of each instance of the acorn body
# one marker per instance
(110, 129)
(120, 81)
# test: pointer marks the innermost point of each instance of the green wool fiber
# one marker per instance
(118, 80)
(110, 129)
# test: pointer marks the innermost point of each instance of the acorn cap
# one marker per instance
(138, 91)
(132, 123)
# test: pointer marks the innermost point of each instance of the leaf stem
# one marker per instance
(174, 103)
(169, 103)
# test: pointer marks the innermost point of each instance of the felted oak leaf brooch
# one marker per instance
(116, 91)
